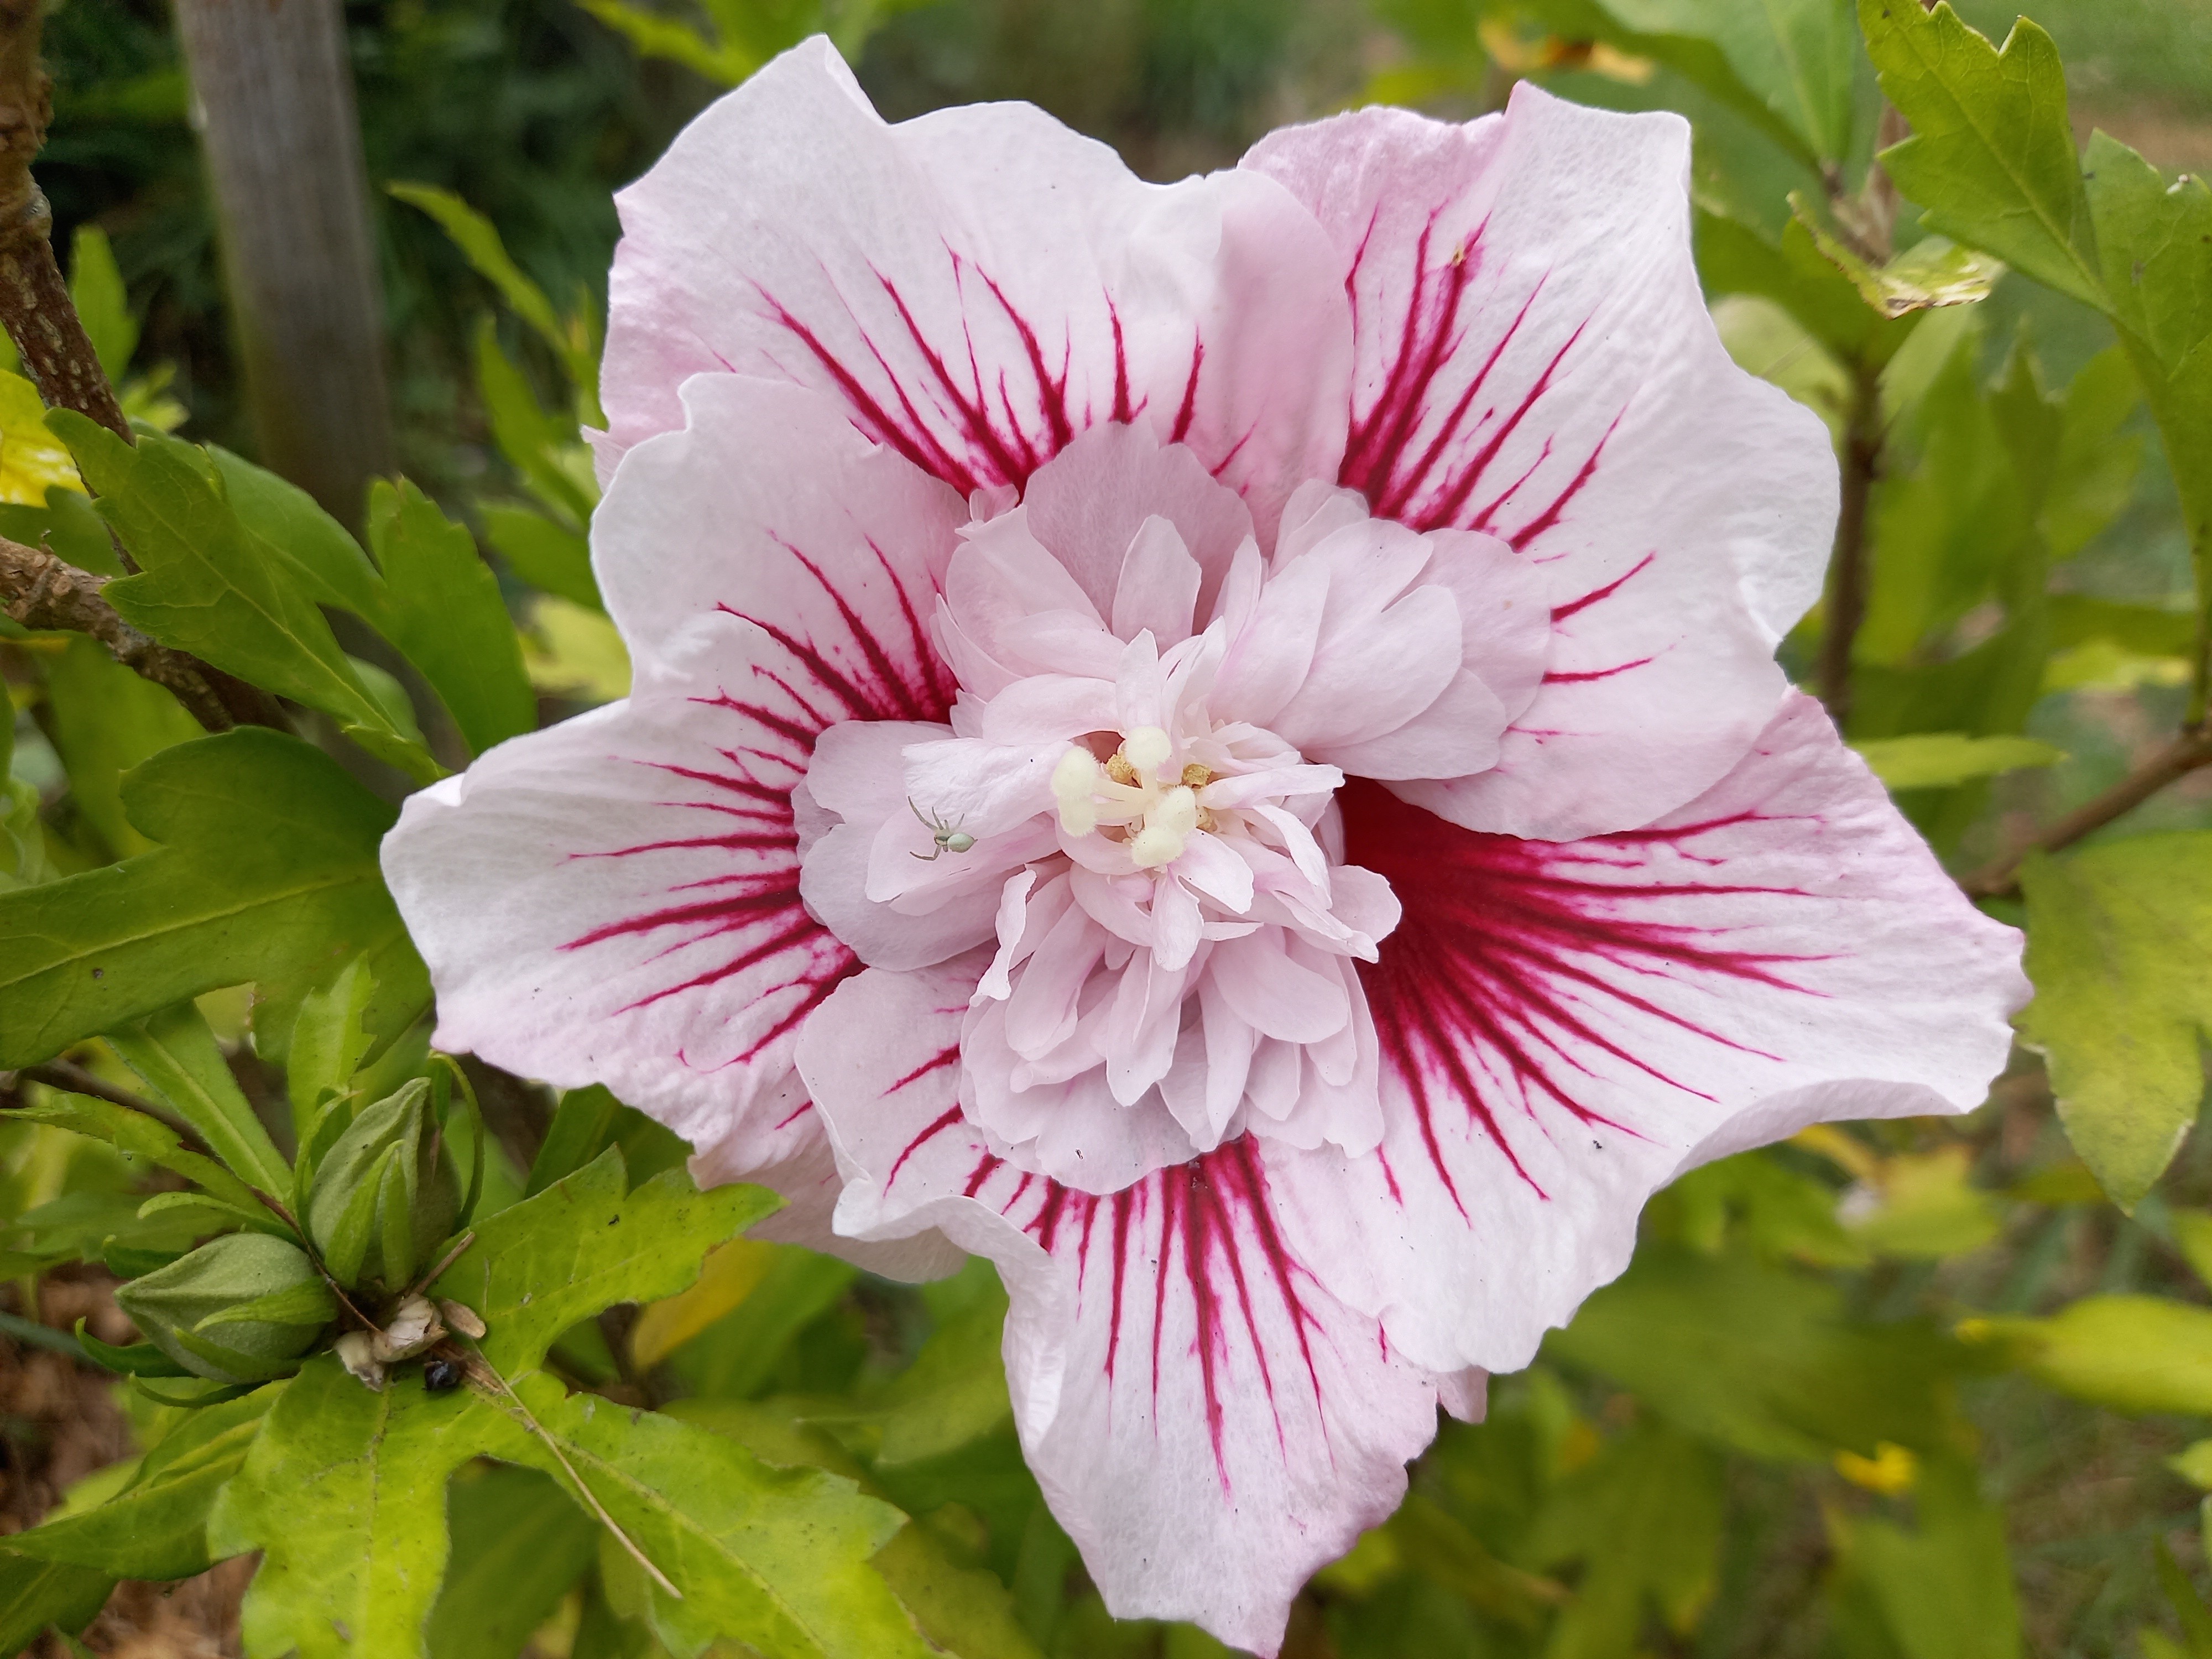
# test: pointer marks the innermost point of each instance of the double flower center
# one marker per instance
(1126, 797)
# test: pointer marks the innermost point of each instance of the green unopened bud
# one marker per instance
(239, 1309)
(386, 1193)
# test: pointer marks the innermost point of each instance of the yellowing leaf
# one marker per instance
(31, 456)
(2133, 1354)
(731, 1274)
(572, 652)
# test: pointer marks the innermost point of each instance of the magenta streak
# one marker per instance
(860, 705)
(1553, 677)
(950, 1117)
(934, 460)
(805, 1106)
(1560, 613)
(1482, 520)
(1215, 1217)
(1123, 411)
(1053, 402)
(1502, 958)
(985, 1166)
(1447, 431)
(1189, 409)
(1425, 341)
(927, 702)
(1440, 513)
(1550, 516)
(799, 736)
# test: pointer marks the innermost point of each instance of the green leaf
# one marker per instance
(1760, 1359)
(178, 1057)
(1991, 157)
(210, 586)
(1645, 1517)
(34, 1595)
(324, 558)
(2132, 1353)
(533, 441)
(478, 241)
(656, 35)
(579, 1132)
(330, 1040)
(103, 304)
(147, 1138)
(1934, 760)
(1787, 63)
(547, 556)
(538, 1266)
(2119, 945)
(965, 1611)
(1945, 1589)
(345, 1494)
(777, 1559)
(518, 1544)
(156, 1527)
(266, 871)
(441, 606)
(2156, 242)
(105, 720)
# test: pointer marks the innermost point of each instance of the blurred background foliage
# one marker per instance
(1906, 1391)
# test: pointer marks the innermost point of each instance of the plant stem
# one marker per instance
(42, 592)
(2187, 753)
(1847, 565)
(34, 303)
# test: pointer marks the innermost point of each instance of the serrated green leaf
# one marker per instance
(441, 606)
(583, 1244)
(176, 1054)
(345, 1494)
(518, 1544)
(34, 1595)
(1787, 63)
(156, 1527)
(207, 584)
(2119, 946)
(1935, 760)
(548, 556)
(776, 1558)
(1934, 272)
(326, 559)
(267, 872)
(1991, 157)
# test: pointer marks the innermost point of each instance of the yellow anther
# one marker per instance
(1119, 769)
(1197, 776)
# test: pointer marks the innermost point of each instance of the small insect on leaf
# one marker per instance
(441, 1376)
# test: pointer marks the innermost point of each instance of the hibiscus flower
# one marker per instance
(1216, 744)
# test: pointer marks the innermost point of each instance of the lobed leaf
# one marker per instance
(1991, 157)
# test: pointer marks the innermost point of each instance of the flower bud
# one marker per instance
(239, 1309)
(386, 1194)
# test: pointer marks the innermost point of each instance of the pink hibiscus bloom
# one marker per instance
(1217, 743)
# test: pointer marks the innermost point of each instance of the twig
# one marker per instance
(482, 1372)
(41, 590)
(2185, 754)
(35, 302)
(72, 1079)
(1847, 565)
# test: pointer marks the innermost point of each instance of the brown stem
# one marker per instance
(34, 303)
(2187, 753)
(42, 592)
(1847, 565)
